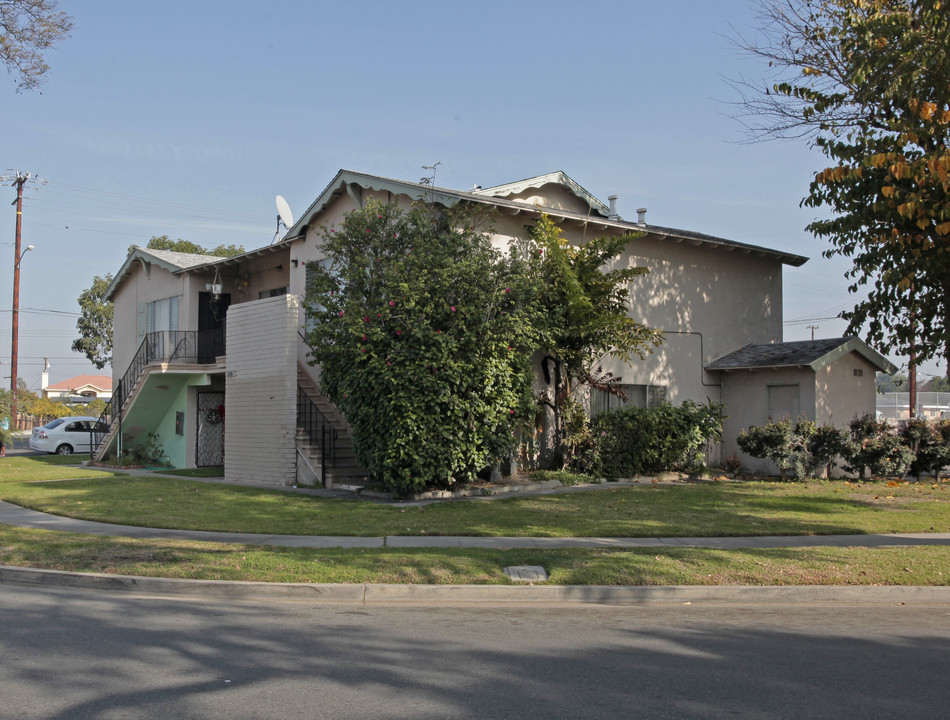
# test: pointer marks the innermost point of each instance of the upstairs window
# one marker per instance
(161, 315)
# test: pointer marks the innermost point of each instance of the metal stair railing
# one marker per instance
(161, 346)
(320, 432)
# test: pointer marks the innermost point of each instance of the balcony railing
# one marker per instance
(165, 346)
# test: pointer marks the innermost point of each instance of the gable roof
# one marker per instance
(173, 262)
(99, 382)
(353, 183)
(814, 354)
(539, 181)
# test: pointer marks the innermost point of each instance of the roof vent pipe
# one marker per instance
(641, 216)
(613, 207)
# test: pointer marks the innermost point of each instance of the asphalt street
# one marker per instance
(73, 654)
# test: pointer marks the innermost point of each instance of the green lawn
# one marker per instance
(682, 509)
(648, 566)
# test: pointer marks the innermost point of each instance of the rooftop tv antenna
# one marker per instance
(284, 216)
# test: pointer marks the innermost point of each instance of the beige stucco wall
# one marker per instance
(246, 280)
(138, 289)
(844, 393)
(745, 395)
(260, 387)
(708, 300)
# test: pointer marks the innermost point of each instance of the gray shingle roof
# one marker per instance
(180, 259)
(811, 353)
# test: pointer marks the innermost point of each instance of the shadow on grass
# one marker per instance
(705, 510)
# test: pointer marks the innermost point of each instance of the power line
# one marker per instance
(39, 311)
(111, 199)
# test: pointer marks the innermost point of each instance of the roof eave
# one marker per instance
(138, 254)
(346, 181)
(881, 363)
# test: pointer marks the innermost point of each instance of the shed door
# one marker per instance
(784, 401)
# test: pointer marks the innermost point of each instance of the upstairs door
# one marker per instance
(211, 321)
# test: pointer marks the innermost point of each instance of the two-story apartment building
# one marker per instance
(209, 357)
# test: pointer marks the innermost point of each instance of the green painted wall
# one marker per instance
(175, 445)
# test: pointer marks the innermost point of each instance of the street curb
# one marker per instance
(365, 594)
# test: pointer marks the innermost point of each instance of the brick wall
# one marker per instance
(261, 391)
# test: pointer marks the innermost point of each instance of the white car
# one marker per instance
(67, 435)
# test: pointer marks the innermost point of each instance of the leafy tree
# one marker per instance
(95, 323)
(869, 81)
(6, 426)
(936, 384)
(47, 408)
(26, 399)
(891, 383)
(423, 333)
(28, 28)
(95, 320)
(585, 316)
(163, 242)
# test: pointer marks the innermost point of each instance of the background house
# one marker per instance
(895, 406)
(79, 389)
(202, 342)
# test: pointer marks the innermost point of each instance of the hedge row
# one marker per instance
(800, 447)
(641, 441)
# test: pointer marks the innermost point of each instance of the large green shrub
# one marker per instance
(423, 332)
(637, 441)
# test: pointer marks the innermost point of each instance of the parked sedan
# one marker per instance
(64, 436)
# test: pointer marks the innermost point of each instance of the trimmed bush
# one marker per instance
(638, 441)
(784, 442)
(867, 445)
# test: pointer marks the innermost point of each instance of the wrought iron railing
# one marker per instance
(319, 431)
(197, 346)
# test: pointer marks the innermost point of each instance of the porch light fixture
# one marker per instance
(215, 286)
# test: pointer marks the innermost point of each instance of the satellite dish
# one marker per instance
(284, 217)
(283, 212)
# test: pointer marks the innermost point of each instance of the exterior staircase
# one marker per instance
(342, 469)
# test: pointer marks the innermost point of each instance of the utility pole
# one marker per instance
(812, 328)
(18, 181)
(912, 359)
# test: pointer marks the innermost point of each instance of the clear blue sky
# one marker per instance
(187, 118)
